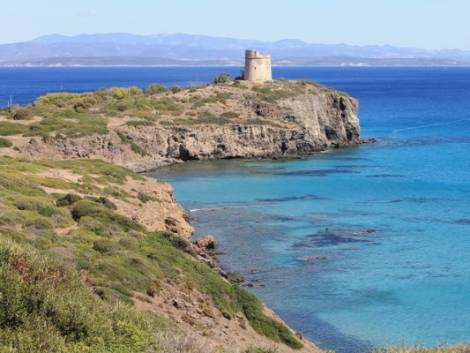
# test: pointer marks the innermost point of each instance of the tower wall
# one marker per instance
(257, 67)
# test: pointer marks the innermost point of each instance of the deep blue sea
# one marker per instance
(360, 247)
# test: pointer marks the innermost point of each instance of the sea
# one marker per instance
(356, 248)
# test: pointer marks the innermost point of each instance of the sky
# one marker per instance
(412, 23)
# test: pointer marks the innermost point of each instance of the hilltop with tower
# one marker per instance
(257, 66)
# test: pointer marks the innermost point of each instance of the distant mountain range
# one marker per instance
(185, 49)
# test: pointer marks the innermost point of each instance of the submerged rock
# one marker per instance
(333, 237)
(311, 259)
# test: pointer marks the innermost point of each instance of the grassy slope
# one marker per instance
(42, 272)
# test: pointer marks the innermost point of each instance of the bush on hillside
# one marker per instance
(67, 200)
(155, 89)
(44, 308)
(221, 78)
(4, 143)
(20, 114)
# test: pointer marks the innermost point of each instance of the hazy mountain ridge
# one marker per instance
(186, 49)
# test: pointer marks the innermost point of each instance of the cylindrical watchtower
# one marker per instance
(257, 66)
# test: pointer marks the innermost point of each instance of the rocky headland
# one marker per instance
(145, 130)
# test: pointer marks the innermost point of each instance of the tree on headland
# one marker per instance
(221, 78)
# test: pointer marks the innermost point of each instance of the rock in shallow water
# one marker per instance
(207, 242)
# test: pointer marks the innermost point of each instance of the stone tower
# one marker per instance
(257, 66)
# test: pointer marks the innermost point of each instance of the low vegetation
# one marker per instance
(221, 78)
(8, 129)
(200, 101)
(135, 147)
(20, 114)
(44, 302)
(141, 122)
(5, 143)
(272, 95)
(44, 307)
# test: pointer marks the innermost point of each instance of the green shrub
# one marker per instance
(20, 114)
(137, 149)
(143, 197)
(41, 207)
(209, 118)
(134, 146)
(176, 89)
(67, 200)
(118, 92)
(135, 91)
(166, 105)
(121, 106)
(107, 172)
(119, 287)
(8, 129)
(103, 217)
(219, 97)
(4, 143)
(38, 224)
(103, 246)
(57, 100)
(155, 89)
(270, 95)
(103, 201)
(265, 325)
(46, 309)
(221, 78)
(80, 125)
(137, 123)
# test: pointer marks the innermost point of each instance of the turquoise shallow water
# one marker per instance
(367, 246)
(357, 247)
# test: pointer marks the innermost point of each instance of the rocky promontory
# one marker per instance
(143, 130)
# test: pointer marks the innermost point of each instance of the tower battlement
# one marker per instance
(257, 66)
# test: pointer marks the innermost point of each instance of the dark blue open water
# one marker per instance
(357, 247)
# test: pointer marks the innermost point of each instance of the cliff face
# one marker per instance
(244, 120)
